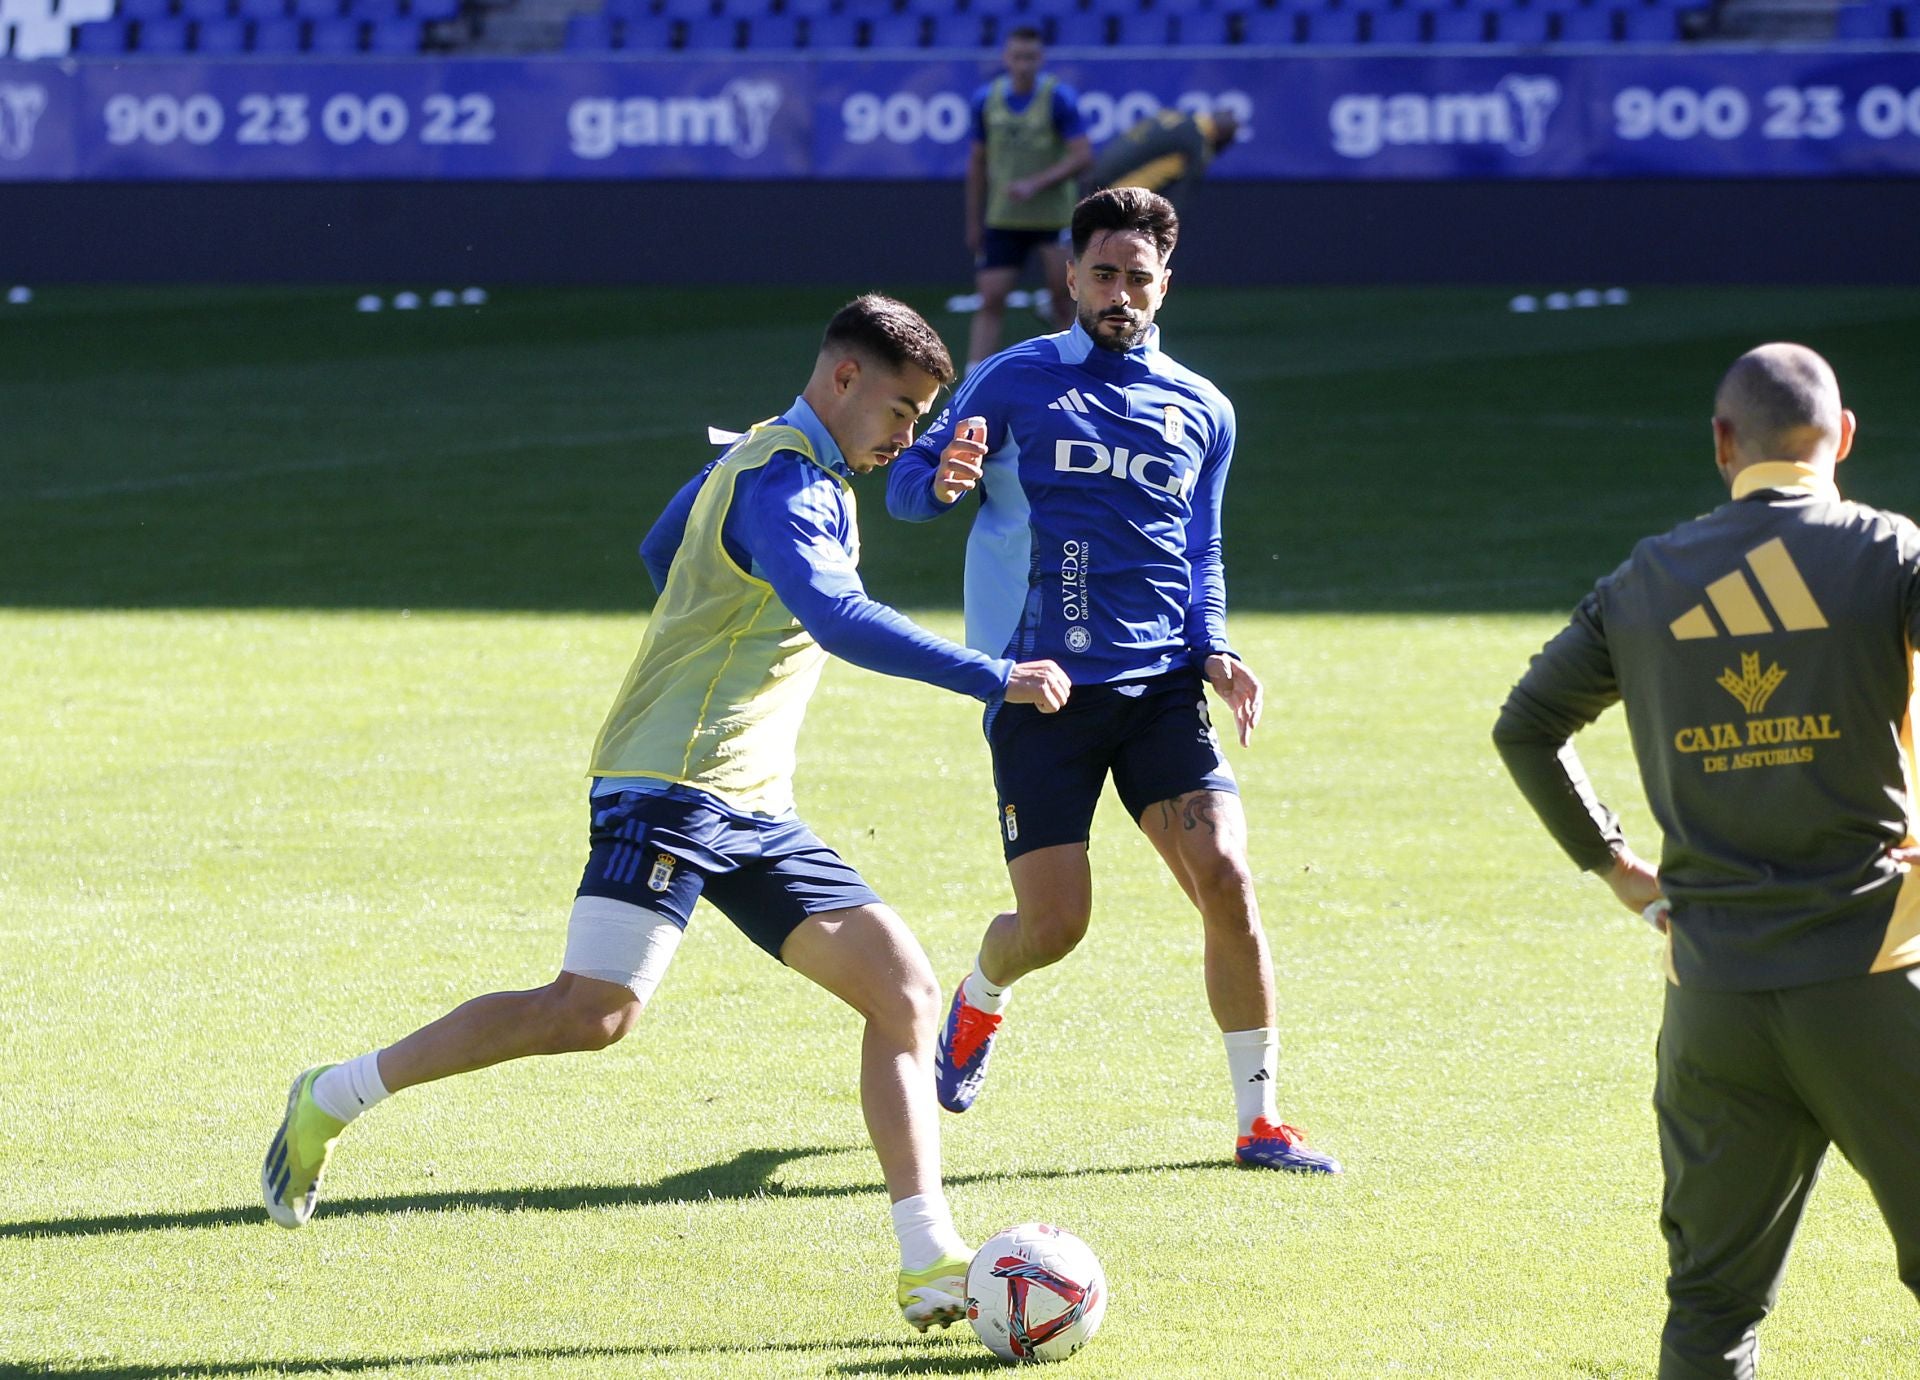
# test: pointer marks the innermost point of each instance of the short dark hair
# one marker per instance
(890, 332)
(1126, 208)
(1024, 31)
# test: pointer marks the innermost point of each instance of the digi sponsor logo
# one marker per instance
(740, 118)
(21, 107)
(1080, 456)
(1512, 116)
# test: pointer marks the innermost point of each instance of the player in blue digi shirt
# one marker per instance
(1101, 464)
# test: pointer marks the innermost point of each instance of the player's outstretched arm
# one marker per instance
(1233, 682)
(1039, 683)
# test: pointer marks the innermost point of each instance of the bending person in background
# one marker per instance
(1167, 152)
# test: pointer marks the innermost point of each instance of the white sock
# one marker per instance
(925, 1228)
(346, 1090)
(1253, 1058)
(983, 995)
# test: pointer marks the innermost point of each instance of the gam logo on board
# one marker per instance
(20, 110)
(1512, 116)
(740, 118)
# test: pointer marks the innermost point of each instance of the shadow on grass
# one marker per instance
(888, 1359)
(749, 1174)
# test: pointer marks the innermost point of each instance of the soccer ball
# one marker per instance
(1035, 1293)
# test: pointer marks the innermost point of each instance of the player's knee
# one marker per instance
(909, 1009)
(1221, 880)
(1052, 935)
(579, 1024)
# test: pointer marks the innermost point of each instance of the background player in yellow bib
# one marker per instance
(692, 791)
(1765, 655)
(1028, 146)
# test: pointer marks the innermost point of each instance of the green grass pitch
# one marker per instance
(307, 619)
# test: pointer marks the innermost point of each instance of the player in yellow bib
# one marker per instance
(1028, 146)
(755, 560)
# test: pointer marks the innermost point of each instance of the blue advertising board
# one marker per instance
(1696, 112)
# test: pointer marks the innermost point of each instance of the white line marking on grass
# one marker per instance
(371, 460)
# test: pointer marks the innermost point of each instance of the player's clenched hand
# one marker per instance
(1240, 688)
(959, 468)
(1039, 683)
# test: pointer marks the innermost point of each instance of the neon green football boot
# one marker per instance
(290, 1178)
(935, 1296)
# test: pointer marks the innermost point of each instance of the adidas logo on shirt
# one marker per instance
(1740, 612)
(1069, 401)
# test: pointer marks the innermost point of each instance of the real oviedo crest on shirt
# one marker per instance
(1174, 426)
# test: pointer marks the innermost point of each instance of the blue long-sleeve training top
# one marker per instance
(1097, 540)
(793, 525)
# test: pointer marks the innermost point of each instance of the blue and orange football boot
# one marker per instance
(1282, 1147)
(960, 1057)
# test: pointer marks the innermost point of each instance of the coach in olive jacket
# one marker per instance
(1765, 655)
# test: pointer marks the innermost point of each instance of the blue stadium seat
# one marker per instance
(1552, 6)
(894, 31)
(203, 9)
(432, 11)
(833, 31)
(933, 9)
(164, 36)
(101, 36)
(260, 9)
(1640, 25)
(629, 9)
(370, 9)
(395, 37)
(591, 33)
(808, 9)
(1010, 10)
(1397, 27)
(1038, 11)
(1458, 28)
(1077, 30)
(145, 9)
(865, 9)
(316, 9)
(685, 9)
(220, 37)
(277, 36)
(956, 31)
(650, 33)
(1864, 22)
(742, 9)
(334, 37)
(1266, 28)
(773, 33)
(1906, 20)
(710, 34)
(1147, 29)
(1181, 6)
(1586, 26)
(1528, 27)
(1331, 27)
(1434, 4)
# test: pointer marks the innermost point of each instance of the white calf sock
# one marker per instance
(346, 1090)
(1253, 1058)
(982, 995)
(925, 1228)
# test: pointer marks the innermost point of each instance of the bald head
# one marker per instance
(1781, 402)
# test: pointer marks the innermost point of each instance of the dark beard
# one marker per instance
(1090, 324)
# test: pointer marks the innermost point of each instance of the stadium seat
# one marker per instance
(895, 31)
(1330, 27)
(1431, 5)
(684, 9)
(145, 9)
(1009, 11)
(334, 37)
(277, 36)
(956, 31)
(1267, 28)
(833, 31)
(772, 33)
(1457, 28)
(1586, 26)
(1398, 28)
(315, 9)
(648, 34)
(1639, 25)
(432, 11)
(807, 9)
(590, 33)
(10, 10)
(96, 36)
(1038, 11)
(221, 37)
(395, 37)
(83, 11)
(1147, 29)
(261, 9)
(1077, 30)
(40, 36)
(710, 34)
(932, 9)
(204, 9)
(1528, 27)
(163, 37)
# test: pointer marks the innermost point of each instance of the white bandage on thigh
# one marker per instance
(617, 942)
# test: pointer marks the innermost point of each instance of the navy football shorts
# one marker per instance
(664, 852)
(1154, 736)
(1011, 248)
